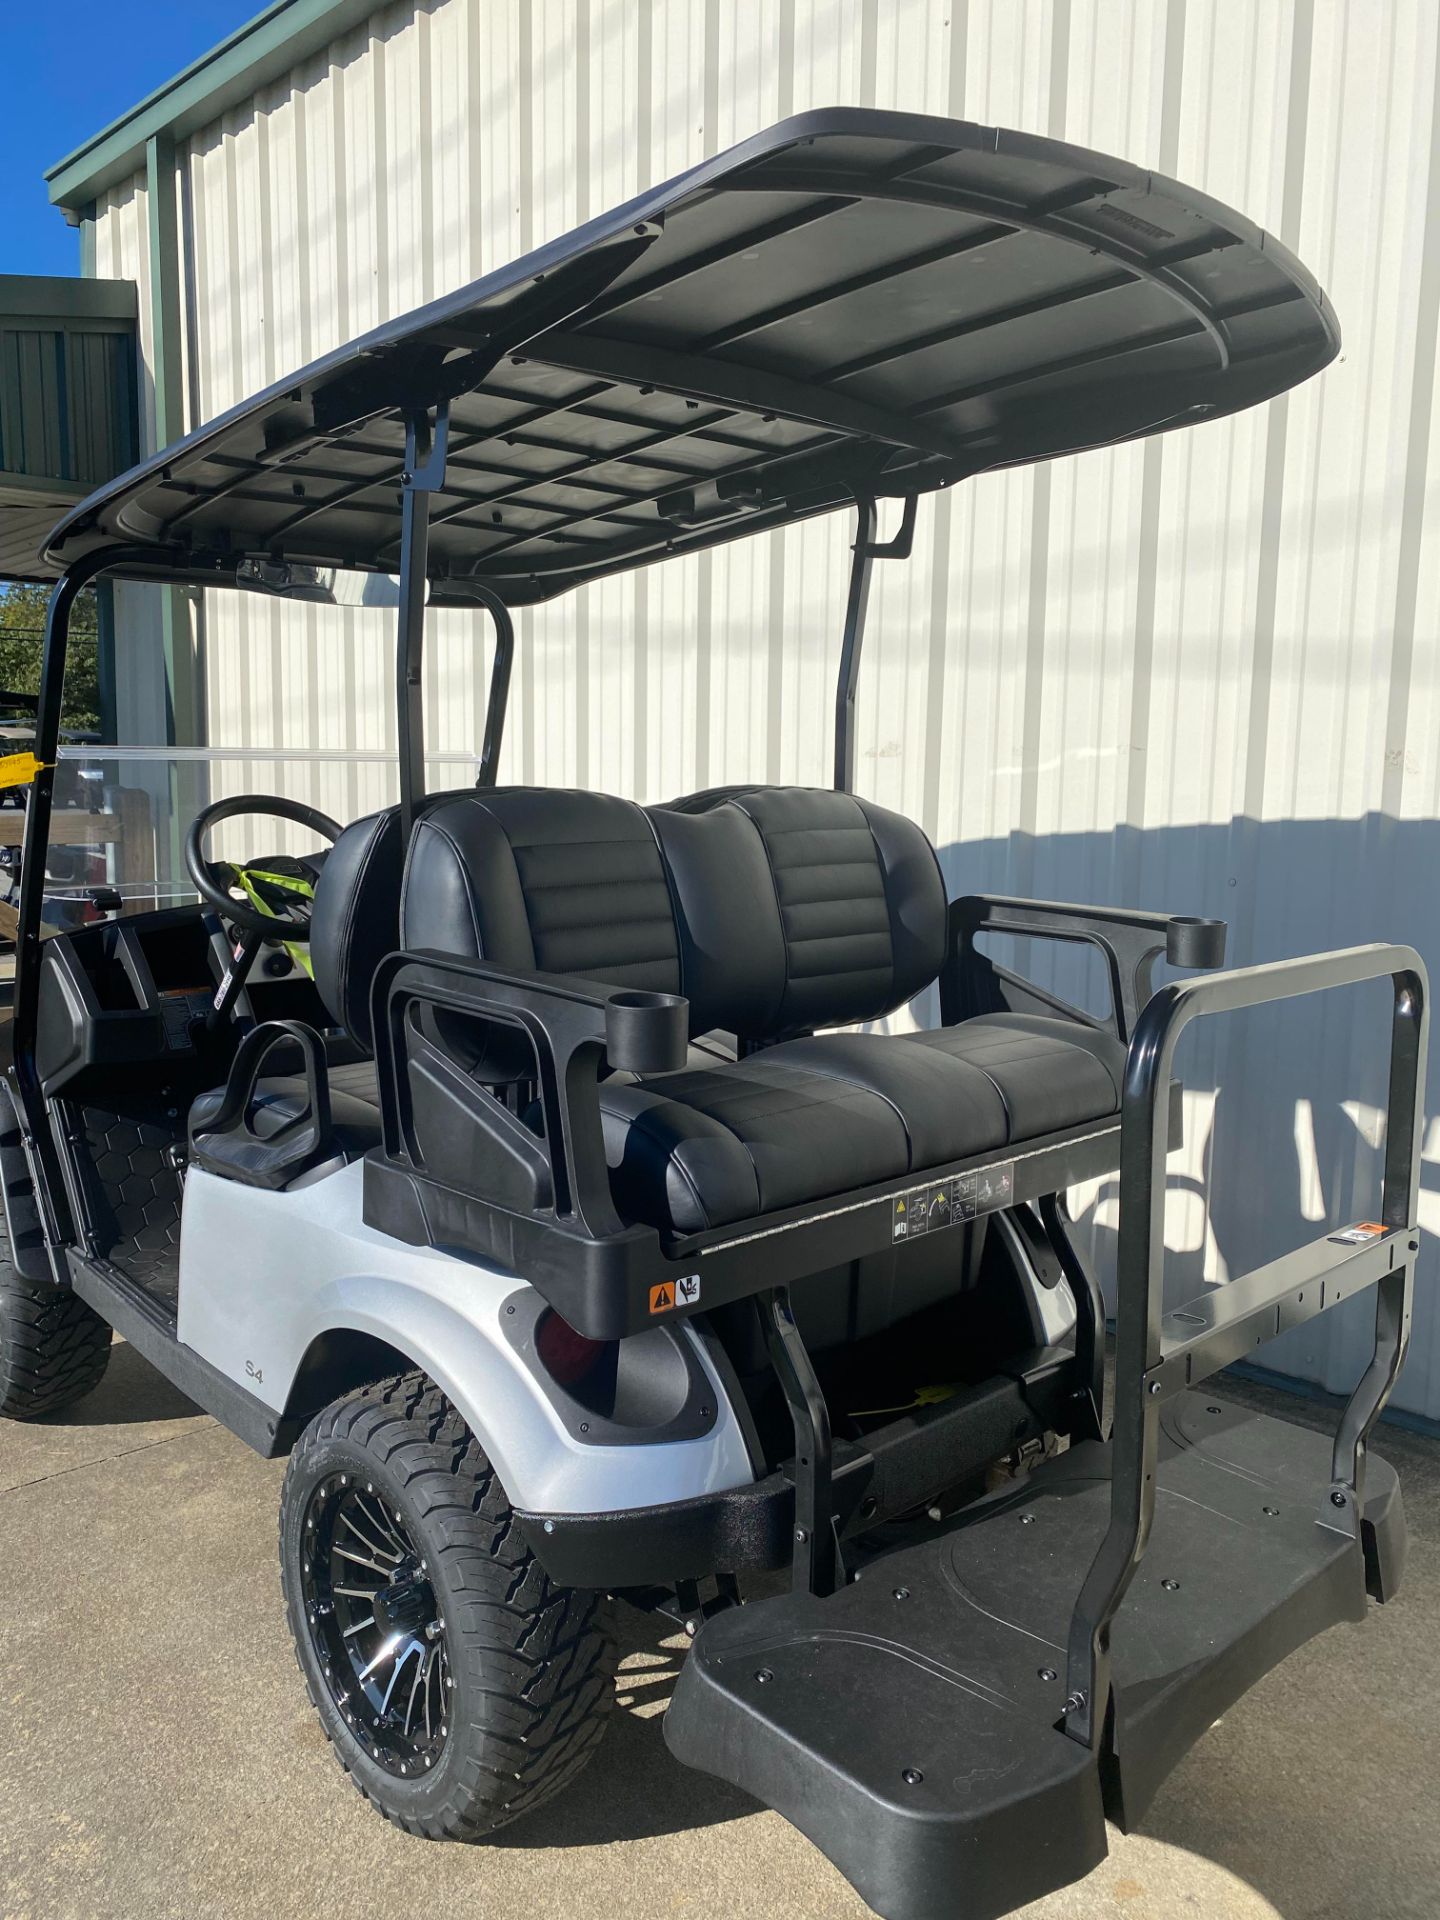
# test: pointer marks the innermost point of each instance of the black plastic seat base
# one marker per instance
(807, 1119)
(910, 1724)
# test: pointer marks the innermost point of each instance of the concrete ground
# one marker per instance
(162, 1760)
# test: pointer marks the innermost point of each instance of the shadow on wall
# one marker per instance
(1284, 1105)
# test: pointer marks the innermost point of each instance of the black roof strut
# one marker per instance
(865, 551)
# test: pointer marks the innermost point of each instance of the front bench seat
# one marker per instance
(776, 911)
(355, 922)
(280, 1099)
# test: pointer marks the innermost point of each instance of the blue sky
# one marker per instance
(73, 66)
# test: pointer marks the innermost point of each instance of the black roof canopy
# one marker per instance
(853, 303)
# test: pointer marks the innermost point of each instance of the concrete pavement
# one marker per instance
(162, 1760)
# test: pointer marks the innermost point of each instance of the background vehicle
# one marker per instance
(547, 1218)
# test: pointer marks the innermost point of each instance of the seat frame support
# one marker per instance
(816, 1562)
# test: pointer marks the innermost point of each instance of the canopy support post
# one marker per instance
(49, 1190)
(499, 681)
(426, 443)
(866, 550)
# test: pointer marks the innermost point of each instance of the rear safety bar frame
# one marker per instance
(1160, 1354)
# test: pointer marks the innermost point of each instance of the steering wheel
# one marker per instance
(242, 913)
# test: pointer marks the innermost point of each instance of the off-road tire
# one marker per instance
(53, 1347)
(533, 1664)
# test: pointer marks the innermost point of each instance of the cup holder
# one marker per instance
(647, 1032)
(1193, 942)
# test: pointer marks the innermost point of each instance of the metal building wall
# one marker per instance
(1197, 673)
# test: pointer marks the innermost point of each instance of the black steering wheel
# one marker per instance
(207, 883)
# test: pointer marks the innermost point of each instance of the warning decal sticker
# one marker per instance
(1360, 1234)
(947, 1203)
(675, 1293)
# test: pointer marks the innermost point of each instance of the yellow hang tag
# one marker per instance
(19, 769)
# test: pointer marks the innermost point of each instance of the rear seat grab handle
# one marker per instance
(1131, 943)
(574, 1026)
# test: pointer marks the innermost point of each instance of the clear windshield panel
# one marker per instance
(120, 816)
(306, 718)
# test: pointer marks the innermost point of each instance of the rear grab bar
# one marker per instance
(1158, 1355)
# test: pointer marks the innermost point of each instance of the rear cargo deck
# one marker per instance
(910, 1724)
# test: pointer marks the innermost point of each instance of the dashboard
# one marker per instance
(122, 993)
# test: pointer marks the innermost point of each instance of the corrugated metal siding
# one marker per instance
(1198, 673)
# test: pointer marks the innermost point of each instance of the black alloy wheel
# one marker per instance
(375, 1625)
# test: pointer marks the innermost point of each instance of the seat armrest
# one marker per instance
(576, 1028)
(1129, 941)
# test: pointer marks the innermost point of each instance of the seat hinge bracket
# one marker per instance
(816, 1560)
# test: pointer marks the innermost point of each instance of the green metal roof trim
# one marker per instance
(113, 304)
(266, 47)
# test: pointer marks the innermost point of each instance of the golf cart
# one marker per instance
(569, 1216)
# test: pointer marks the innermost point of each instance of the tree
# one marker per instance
(22, 630)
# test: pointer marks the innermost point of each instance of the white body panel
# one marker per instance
(262, 1275)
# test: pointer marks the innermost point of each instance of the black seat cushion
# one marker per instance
(811, 1118)
(774, 911)
(543, 878)
(805, 1119)
(1051, 1073)
(281, 1097)
(835, 907)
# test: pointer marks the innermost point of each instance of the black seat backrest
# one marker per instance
(355, 920)
(540, 878)
(773, 909)
(856, 896)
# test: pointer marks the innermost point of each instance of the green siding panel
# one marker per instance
(67, 403)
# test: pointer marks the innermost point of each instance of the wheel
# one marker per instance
(53, 1347)
(458, 1687)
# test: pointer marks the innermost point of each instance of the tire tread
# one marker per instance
(54, 1348)
(554, 1646)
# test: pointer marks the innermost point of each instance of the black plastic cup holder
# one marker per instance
(647, 1032)
(1194, 942)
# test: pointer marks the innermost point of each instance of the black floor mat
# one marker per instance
(910, 1724)
(132, 1190)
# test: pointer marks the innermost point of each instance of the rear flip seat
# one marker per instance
(776, 911)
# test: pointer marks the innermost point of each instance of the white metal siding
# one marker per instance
(1197, 673)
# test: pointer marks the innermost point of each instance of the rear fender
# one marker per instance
(265, 1276)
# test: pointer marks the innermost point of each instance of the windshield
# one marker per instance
(120, 816)
(300, 713)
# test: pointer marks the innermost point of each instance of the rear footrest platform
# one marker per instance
(910, 1724)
